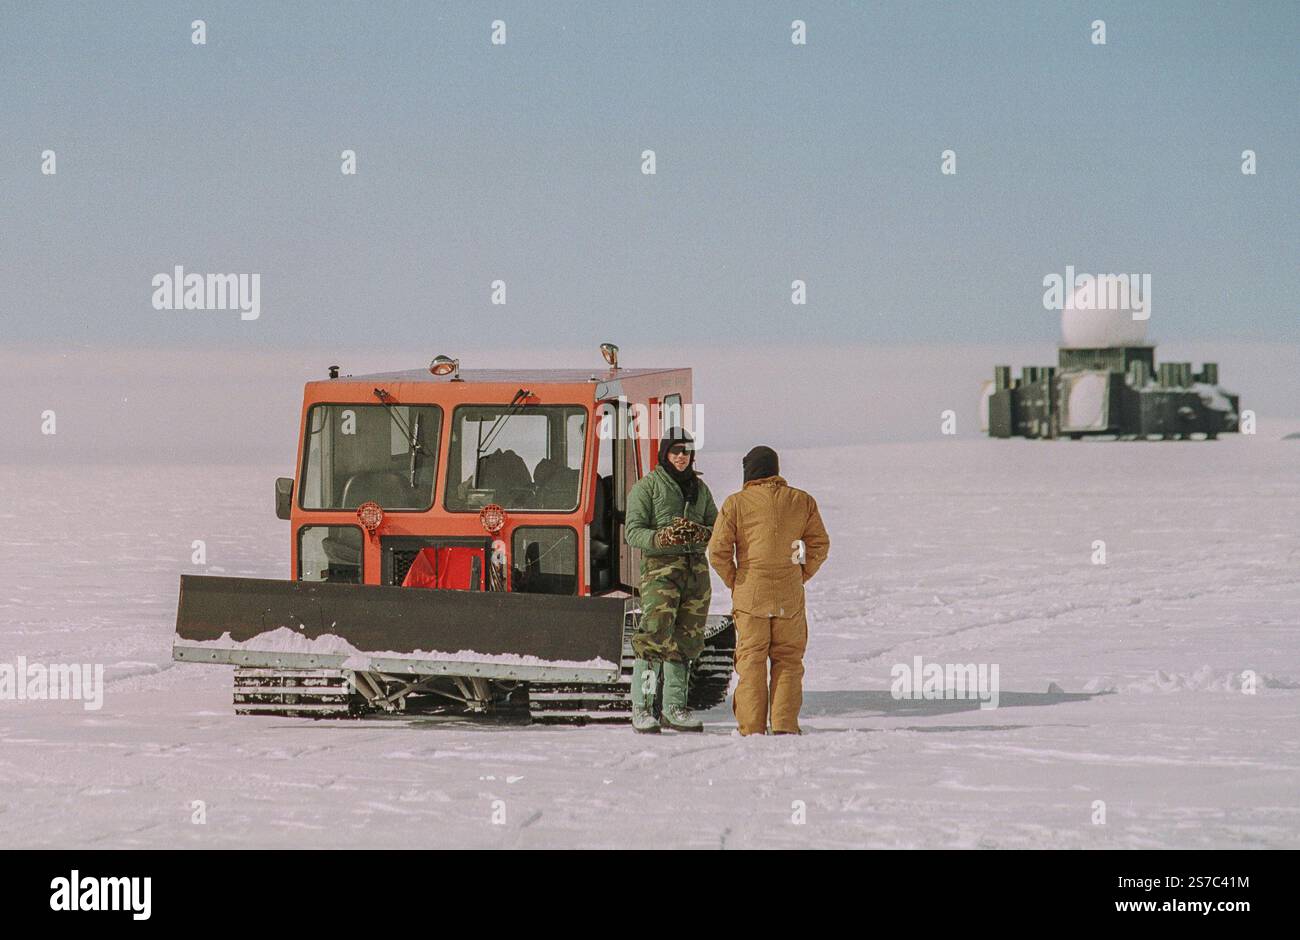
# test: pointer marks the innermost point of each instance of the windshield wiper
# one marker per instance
(412, 434)
(516, 405)
(416, 447)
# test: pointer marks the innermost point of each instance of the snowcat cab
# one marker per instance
(456, 542)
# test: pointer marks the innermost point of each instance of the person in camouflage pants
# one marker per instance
(670, 514)
(675, 594)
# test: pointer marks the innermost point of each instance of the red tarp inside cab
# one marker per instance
(451, 567)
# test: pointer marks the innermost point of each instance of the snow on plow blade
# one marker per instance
(408, 631)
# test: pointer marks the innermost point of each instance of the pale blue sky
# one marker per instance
(522, 163)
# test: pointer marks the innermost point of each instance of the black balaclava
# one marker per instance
(687, 480)
(761, 462)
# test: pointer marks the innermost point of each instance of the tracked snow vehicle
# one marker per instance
(456, 544)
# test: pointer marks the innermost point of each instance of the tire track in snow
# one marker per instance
(1050, 614)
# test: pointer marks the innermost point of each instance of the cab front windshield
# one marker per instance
(526, 457)
(382, 453)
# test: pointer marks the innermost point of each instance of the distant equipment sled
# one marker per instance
(457, 543)
(1116, 392)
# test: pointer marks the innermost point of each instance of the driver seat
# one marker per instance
(502, 471)
(390, 490)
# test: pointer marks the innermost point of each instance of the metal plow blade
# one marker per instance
(252, 622)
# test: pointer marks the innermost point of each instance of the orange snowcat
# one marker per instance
(457, 545)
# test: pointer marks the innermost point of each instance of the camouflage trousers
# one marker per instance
(675, 595)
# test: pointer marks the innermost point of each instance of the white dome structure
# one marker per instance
(1092, 329)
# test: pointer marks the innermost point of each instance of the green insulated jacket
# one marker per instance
(654, 502)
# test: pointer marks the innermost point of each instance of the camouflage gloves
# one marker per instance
(682, 532)
(695, 532)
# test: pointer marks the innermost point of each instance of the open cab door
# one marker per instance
(627, 470)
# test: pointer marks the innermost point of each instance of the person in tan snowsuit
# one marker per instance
(767, 542)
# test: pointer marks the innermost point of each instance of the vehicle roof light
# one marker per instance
(445, 365)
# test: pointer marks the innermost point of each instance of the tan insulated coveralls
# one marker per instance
(752, 549)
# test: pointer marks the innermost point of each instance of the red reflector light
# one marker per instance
(370, 514)
(493, 518)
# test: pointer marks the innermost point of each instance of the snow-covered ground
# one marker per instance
(968, 551)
